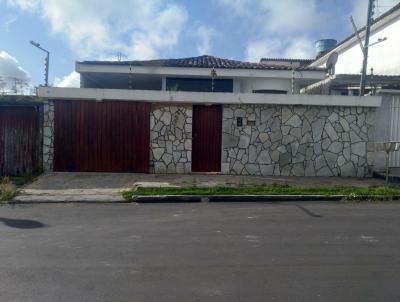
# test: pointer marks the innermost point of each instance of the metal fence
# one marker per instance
(394, 159)
(20, 139)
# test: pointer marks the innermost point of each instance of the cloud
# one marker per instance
(256, 50)
(140, 29)
(11, 73)
(287, 16)
(70, 80)
(360, 7)
(25, 4)
(298, 48)
(9, 20)
(276, 28)
(10, 68)
(204, 35)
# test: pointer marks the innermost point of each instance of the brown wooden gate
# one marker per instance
(94, 136)
(19, 139)
(207, 135)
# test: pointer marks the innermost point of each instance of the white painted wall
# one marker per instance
(236, 86)
(205, 97)
(249, 84)
(383, 57)
(197, 72)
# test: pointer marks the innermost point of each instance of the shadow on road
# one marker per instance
(22, 223)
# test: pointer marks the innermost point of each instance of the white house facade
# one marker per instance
(383, 57)
(206, 114)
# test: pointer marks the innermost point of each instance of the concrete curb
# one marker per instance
(171, 199)
(234, 198)
(60, 199)
(177, 199)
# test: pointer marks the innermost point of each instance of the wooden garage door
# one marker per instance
(207, 135)
(101, 136)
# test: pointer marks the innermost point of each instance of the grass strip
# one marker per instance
(7, 189)
(372, 192)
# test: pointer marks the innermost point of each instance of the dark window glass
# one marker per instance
(199, 85)
(271, 91)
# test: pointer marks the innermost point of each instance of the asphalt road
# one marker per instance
(200, 252)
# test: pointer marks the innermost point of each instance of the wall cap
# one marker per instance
(97, 94)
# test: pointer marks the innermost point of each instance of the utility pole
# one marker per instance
(366, 45)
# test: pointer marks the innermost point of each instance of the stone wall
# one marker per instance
(298, 140)
(48, 136)
(171, 139)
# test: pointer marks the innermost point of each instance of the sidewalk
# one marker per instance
(107, 187)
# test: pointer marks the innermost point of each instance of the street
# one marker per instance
(200, 252)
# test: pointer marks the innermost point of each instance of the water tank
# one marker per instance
(323, 46)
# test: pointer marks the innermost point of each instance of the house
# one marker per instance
(383, 76)
(194, 74)
(206, 114)
(383, 56)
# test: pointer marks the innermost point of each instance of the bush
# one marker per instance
(7, 189)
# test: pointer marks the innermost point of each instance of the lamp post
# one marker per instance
(46, 62)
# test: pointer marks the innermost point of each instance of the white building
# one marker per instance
(383, 57)
(194, 74)
(206, 114)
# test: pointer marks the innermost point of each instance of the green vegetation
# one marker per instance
(20, 99)
(174, 88)
(7, 189)
(26, 178)
(9, 185)
(351, 193)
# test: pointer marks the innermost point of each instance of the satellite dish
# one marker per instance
(331, 62)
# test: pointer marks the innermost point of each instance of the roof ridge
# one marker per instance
(285, 59)
(203, 61)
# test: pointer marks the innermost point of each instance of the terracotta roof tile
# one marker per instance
(202, 62)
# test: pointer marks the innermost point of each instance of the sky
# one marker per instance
(75, 30)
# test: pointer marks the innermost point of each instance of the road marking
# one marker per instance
(369, 238)
(252, 238)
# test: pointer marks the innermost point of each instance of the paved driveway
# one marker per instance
(200, 252)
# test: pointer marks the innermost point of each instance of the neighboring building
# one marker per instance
(383, 57)
(293, 63)
(383, 76)
(349, 84)
(173, 116)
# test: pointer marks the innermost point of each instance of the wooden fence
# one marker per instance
(20, 139)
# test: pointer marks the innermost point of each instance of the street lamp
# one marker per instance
(46, 62)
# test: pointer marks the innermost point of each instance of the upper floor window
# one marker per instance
(271, 91)
(199, 85)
